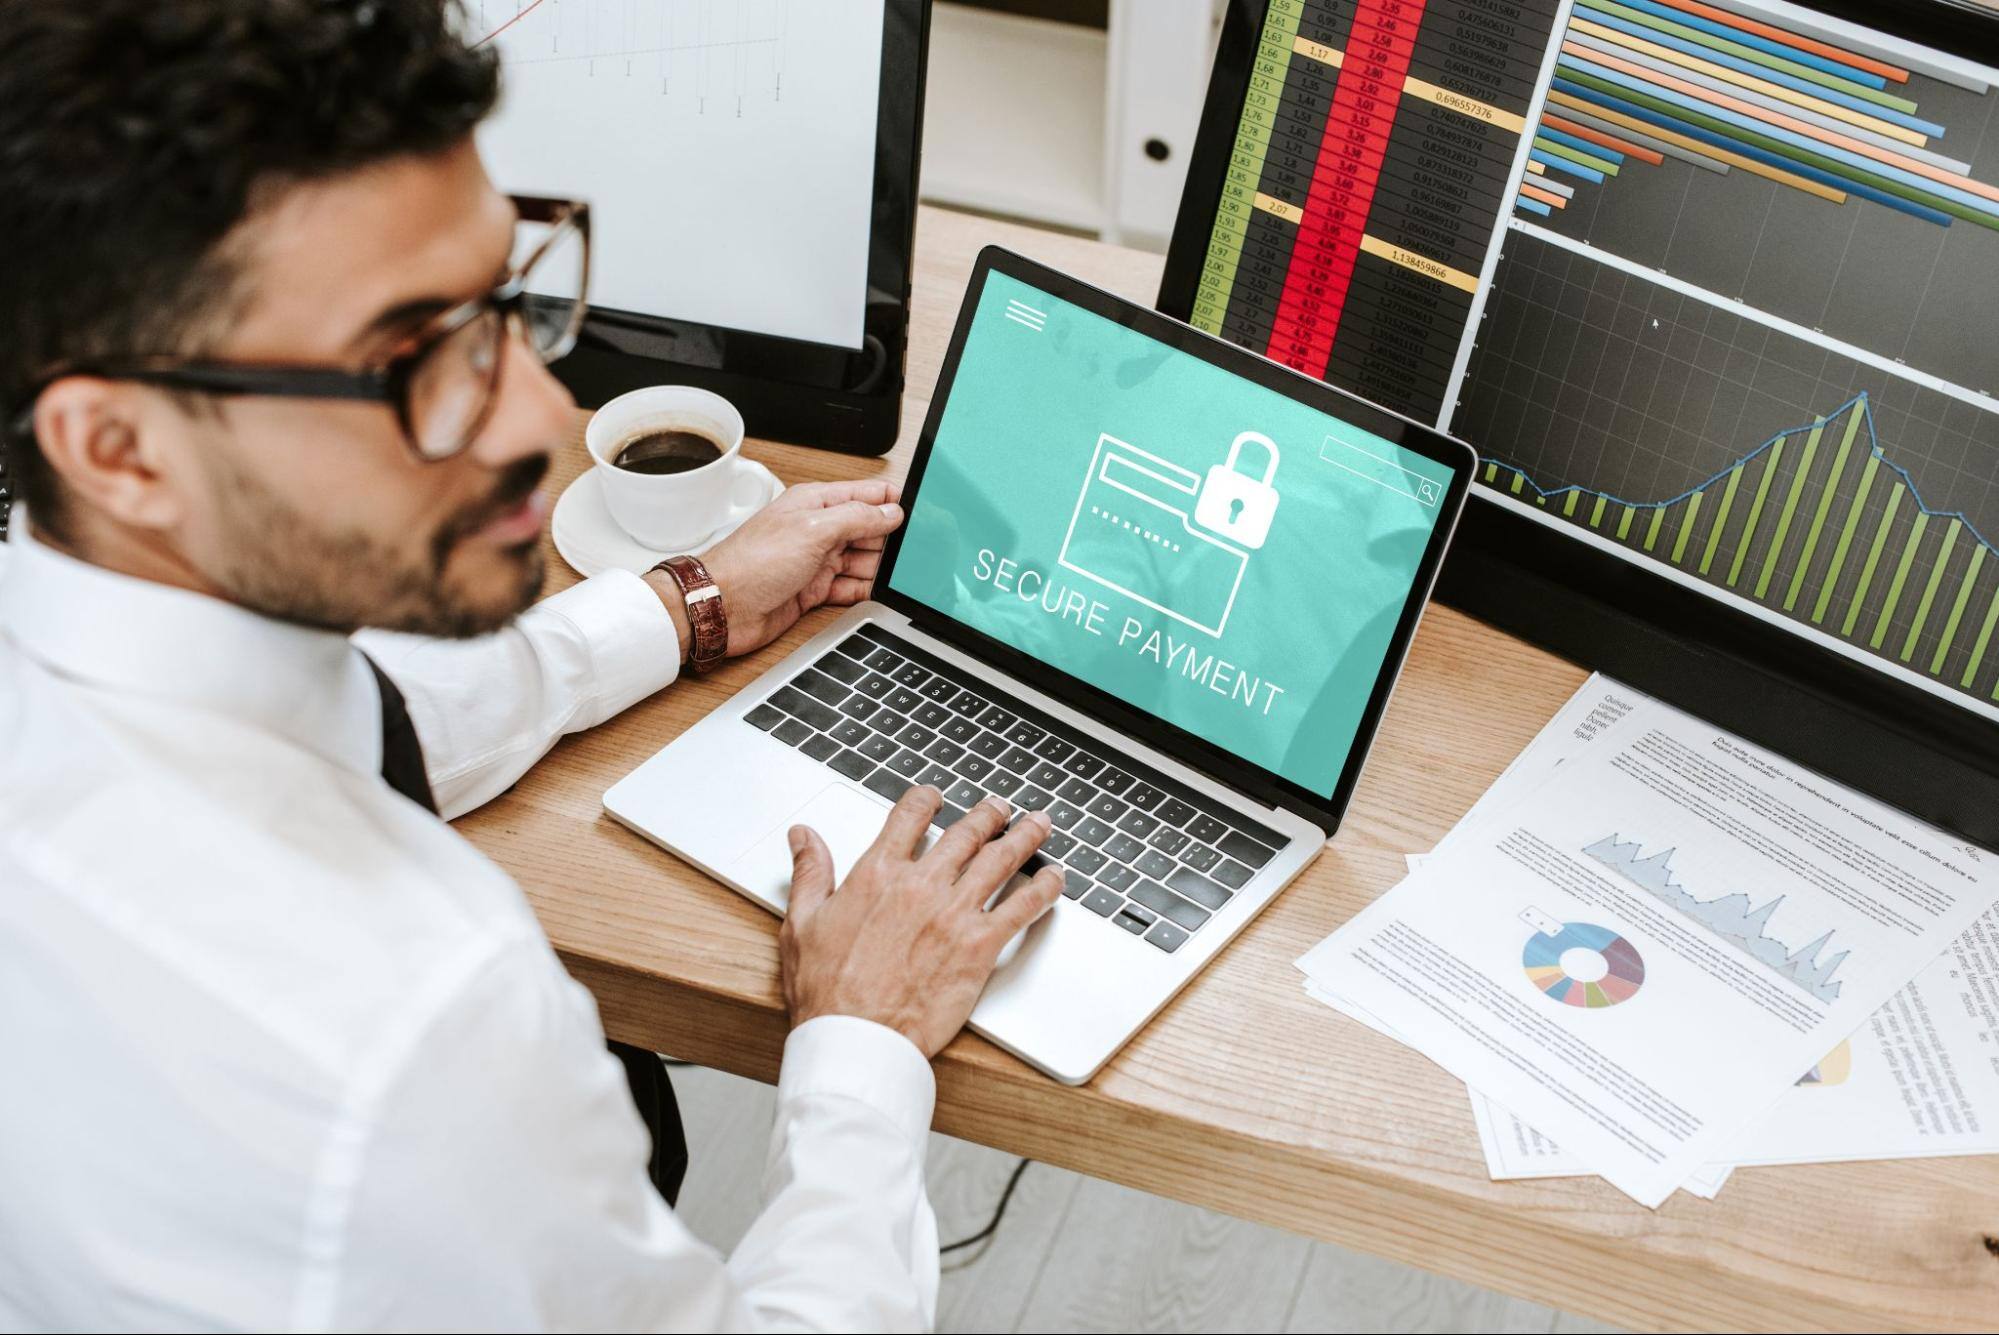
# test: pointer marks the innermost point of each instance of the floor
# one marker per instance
(1076, 1254)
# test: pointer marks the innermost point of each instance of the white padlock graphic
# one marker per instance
(1235, 505)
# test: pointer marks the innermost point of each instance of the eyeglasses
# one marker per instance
(444, 380)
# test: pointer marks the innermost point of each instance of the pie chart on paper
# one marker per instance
(1583, 965)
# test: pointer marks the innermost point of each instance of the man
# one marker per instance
(280, 1049)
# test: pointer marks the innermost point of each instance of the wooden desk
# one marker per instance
(1244, 1095)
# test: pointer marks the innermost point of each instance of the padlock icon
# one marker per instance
(1235, 505)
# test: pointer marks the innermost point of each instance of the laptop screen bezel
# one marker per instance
(1267, 786)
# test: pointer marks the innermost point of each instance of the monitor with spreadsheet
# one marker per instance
(1711, 285)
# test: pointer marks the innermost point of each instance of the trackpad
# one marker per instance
(846, 818)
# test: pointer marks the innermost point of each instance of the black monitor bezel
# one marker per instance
(789, 389)
(1864, 726)
(1323, 810)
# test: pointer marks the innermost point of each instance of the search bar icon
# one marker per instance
(1381, 471)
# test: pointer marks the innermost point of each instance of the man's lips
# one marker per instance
(521, 524)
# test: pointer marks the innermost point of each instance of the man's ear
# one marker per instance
(98, 437)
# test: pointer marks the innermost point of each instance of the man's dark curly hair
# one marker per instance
(135, 135)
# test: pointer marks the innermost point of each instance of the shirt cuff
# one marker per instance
(633, 645)
(842, 1056)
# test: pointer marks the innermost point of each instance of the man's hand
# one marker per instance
(818, 544)
(906, 940)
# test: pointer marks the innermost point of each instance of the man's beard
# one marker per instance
(285, 566)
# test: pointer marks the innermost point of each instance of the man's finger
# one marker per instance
(865, 490)
(811, 870)
(860, 562)
(1025, 905)
(999, 860)
(970, 833)
(907, 823)
(851, 521)
(846, 591)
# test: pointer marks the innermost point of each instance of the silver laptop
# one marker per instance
(1153, 584)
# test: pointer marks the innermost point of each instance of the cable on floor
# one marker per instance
(999, 1213)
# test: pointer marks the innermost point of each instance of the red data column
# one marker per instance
(1343, 182)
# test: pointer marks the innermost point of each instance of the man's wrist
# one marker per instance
(675, 603)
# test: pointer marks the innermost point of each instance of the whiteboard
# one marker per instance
(726, 147)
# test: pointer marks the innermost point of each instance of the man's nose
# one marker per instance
(534, 410)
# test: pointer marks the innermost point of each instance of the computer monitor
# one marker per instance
(1712, 286)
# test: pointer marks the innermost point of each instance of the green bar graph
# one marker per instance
(1901, 578)
(1596, 512)
(1755, 511)
(1624, 524)
(1826, 494)
(1652, 533)
(1845, 539)
(1721, 517)
(1873, 560)
(1929, 597)
(1569, 505)
(1686, 527)
(1964, 586)
(1978, 645)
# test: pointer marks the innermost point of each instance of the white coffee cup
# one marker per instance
(670, 512)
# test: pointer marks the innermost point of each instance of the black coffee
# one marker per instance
(669, 451)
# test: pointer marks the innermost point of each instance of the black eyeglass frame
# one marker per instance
(387, 382)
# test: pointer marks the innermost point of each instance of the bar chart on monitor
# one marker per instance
(1743, 322)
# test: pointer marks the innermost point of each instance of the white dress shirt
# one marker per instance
(280, 1050)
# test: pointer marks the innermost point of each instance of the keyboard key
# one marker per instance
(1085, 859)
(875, 686)
(967, 704)
(1083, 765)
(989, 744)
(881, 660)
(1076, 791)
(1245, 849)
(842, 669)
(1048, 776)
(964, 793)
(820, 686)
(850, 733)
(1169, 905)
(1024, 733)
(916, 736)
(791, 732)
(802, 706)
(1144, 796)
(765, 717)
(911, 675)
(1206, 828)
(1020, 760)
(997, 719)
(903, 700)
(1130, 924)
(931, 714)
(1174, 812)
(1063, 815)
(1155, 864)
(974, 768)
(1232, 874)
(1103, 902)
(1105, 807)
(1093, 831)
(1167, 841)
(948, 814)
(1192, 885)
(1031, 798)
(1074, 886)
(1118, 876)
(877, 747)
(1200, 857)
(960, 730)
(852, 764)
(888, 784)
(856, 646)
(859, 706)
(1166, 936)
(1137, 824)
(908, 763)
(1123, 847)
(1115, 781)
(945, 751)
(1006, 785)
(1143, 914)
(1055, 749)
(937, 777)
(940, 690)
(1058, 843)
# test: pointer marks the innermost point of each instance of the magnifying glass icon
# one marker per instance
(1428, 491)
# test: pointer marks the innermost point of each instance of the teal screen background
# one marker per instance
(1014, 476)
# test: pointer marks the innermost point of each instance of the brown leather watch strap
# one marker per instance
(706, 617)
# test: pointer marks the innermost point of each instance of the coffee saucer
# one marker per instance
(591, 541)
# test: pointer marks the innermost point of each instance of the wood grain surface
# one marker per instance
(1244, 1095)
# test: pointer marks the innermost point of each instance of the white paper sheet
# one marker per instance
(727, 148)
(1716, 1003)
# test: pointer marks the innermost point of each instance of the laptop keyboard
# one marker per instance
(1136, 849)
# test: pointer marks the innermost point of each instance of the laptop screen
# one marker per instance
(1206, 549)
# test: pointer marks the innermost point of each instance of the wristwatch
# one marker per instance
(707, 621)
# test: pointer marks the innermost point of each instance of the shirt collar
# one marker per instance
(140, 638)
